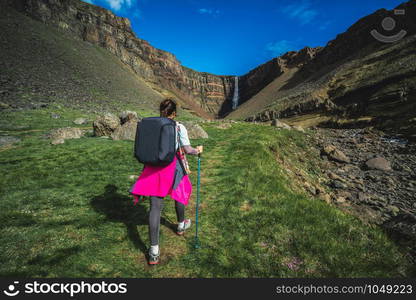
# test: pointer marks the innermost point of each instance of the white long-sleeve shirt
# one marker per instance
(184, 140)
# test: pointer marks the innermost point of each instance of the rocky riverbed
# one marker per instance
(375, 174)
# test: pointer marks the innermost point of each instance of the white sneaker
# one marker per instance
(153, 258)
(186, 225)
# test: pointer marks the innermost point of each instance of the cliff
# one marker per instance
(206, 94)
(355, 80)
(354, 76)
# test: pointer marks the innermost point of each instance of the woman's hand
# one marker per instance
(200, 149)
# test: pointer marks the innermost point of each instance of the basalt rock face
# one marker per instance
(213, 91)
(204, 93)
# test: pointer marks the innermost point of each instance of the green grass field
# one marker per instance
(66, 212)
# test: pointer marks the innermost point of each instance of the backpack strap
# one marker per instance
(178, 131)
(182, 155)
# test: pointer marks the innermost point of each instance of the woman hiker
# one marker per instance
(158, 182)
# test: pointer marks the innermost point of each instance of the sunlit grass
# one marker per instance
(65, 211)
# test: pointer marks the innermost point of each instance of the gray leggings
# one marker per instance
(154, 217)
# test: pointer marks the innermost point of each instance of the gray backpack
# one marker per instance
(155, 141)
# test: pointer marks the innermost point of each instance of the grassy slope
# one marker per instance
(45, 64)
(65, 211)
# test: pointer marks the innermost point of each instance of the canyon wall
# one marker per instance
(255, 80)
(207, 94)
(343, 78)
(355, 80)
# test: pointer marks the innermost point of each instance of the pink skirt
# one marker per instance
(160, 182)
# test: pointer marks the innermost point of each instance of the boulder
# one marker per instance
(105, 125)
(57, 141)
(393, 210)
(8, 140)
(341, 200)
(195, 131)
(59, 135)
(328, 149)
(127, 131)
(339, 156)
(326, 197)
(4, 105)
(334, 176)
(224, 126)
(345, 194)
(55, 116)
(299, 128)
(338, 184)
(378, 163)
(279, 124)
(127, 115)
(335, 154)
(133, 177)
(37, 105)
(310, 188)
(66, 133)
(80, 121)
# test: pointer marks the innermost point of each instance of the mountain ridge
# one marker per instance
(355, 80)
(212, 93)
(209, 95)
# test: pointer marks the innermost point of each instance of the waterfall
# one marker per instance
(236, 95)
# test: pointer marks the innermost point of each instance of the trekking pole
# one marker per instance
(198, 184)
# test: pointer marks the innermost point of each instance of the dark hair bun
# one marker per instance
(167, 107)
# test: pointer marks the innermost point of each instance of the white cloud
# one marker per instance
(280, 47)
(119, 4)
(209, 11)
(204, 11)
(115, 4)
(301, 11)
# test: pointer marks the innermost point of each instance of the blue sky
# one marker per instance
(231, 37)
